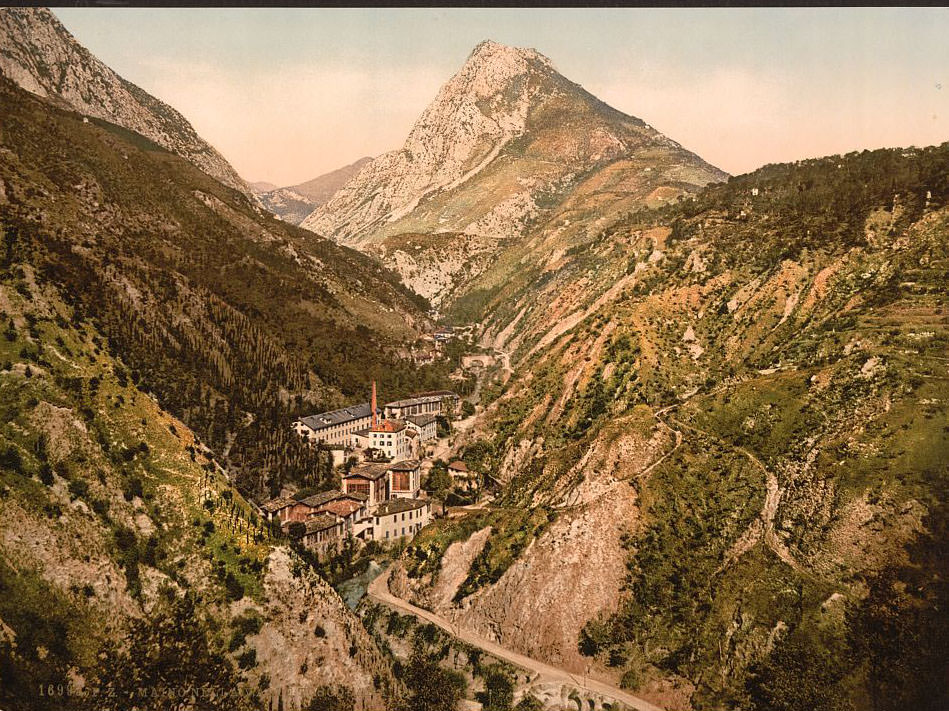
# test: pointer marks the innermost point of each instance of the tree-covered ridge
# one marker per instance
(235, 321)
(89, 533)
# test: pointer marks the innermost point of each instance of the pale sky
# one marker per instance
(289, 94)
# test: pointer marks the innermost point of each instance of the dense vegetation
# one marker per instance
(437, 671)
(86, 463)
(235, 321)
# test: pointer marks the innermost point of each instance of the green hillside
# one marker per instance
(127, 560)
(765, 367)
(235, 321)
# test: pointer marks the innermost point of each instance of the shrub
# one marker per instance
(46, 473)
(498, 694)
(233, 587)
(131, 488)
(332, 698)
(248, 660)
(78, 489)
(11, 459)
(296, 530)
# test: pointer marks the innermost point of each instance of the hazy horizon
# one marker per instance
(289, 94)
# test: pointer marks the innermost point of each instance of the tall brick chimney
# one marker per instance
(372, 406)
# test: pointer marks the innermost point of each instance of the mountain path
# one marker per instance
(378, 590)
(764, 524)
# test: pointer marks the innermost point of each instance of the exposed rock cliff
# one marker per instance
(40, 55)
(509, 150)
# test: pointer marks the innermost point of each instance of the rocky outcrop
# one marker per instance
(40, 55)
(570, 574)
(310, 639)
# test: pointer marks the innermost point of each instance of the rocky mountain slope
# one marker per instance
(723, 450)
(40, 55)
(320, 189)
(509, 148)
(233, 319)
(294, 203)
(132, 571)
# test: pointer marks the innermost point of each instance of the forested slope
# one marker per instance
(234, 320)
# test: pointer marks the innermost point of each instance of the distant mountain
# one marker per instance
(507, 148)
(261, 187)
(321, 189)
(40, 55)
(287, 204)
(294, 203)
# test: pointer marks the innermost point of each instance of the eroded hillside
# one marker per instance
(723, 449)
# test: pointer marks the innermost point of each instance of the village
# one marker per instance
(384, 453)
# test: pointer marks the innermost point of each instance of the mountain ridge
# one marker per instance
(717, 432)
(41, 56)
(506, 144)
(293, 203)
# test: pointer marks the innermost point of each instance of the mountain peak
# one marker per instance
(491, 51)
(41, 56)
(509, 131)
(492, 65)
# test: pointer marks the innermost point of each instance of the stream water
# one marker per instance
(354, 589)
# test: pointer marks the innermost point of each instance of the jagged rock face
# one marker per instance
(310, 638)
(507, 147)
(463, 129)
(40, 55)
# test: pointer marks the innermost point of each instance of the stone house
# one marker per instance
(405, 479)
(322, 531)
(369, 479)
(400, 517)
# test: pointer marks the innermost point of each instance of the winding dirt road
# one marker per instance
(378, 590)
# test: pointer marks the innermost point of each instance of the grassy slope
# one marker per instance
(109, 508)
(819, 306)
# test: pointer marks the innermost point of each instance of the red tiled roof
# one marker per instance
(389, 426)
(342, 507)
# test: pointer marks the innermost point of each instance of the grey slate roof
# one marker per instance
(320, 522)
(277, 504)
(337, 417)
(419, 400)
(324, 497)
(368, 470)
(395, 506)
(421, 420)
